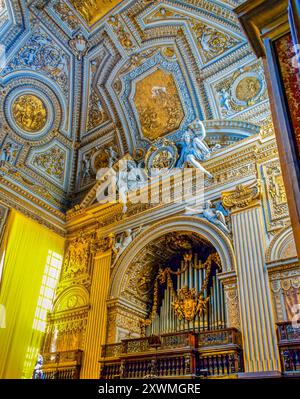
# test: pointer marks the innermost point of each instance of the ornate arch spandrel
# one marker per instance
(282, 246)
(196, 225)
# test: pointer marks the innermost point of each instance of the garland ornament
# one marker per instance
(186, 303)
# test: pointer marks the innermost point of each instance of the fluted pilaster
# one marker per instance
(97, 319)
(257, 320)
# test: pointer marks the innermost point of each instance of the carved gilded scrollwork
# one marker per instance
(274, 195)
(122, 323)
(232, 302)
(285, 289)
(102, 244)
(77, 257)
(66, 331)
(242, 196)
(187, 305)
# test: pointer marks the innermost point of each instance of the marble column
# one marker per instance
(257, 319)
(97, 318)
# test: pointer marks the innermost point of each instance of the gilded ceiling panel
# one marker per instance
(212, 41)
(29, 113)
(158, 104)
(50, 161)
(93, 10)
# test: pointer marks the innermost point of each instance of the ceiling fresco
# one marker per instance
(78, 77)
(93, 10)
(158, 104)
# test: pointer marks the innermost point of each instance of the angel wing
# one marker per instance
(221, 217)
(220, 207)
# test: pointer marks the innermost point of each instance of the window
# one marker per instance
(49, 282)
(31, 354)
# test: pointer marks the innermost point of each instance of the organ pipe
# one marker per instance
(192, 276)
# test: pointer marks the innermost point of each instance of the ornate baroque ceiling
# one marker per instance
(82, 75)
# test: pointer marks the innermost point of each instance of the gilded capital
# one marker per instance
(242, 196)
(102, 244)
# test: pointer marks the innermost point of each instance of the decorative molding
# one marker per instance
(173, 224)
(282, 246)
(242, 197)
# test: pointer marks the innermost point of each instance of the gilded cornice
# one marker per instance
(23, 174)
(283, 265)
(236, 155)
(66, 315)
(17, 190)
(238, 162)
(54, 220)
(228, 278)
(11, 176)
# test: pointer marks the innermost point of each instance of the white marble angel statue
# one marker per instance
(122, 243)
(86, 166)
(215, 216)
(193, 148)
(125, 240)
(211, 213)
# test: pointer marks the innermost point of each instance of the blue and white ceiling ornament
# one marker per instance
(70, 89)
(141, 106)
(51, 160)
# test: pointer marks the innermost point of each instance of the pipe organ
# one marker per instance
(185, 334)
(190, 298)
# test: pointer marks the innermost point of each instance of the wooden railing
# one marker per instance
(289, 348)
(212, 354)
(60, 365)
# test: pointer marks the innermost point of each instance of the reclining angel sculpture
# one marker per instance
(193, 148)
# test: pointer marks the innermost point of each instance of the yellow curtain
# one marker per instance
(26, 245)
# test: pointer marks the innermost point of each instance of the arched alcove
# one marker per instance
(199, 226)
(130, 294)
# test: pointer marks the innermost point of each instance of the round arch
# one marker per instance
(282, 245)
(202, 227)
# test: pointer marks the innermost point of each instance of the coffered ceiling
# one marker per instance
(78, 76)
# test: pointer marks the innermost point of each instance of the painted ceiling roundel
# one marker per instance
(29, 113)
(80, 79)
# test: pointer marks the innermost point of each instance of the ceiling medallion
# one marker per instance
(248, 88)
(29, 113)
(161, 157)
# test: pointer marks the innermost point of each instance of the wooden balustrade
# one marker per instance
(211, 354)
(60, 365)
(289, 348)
